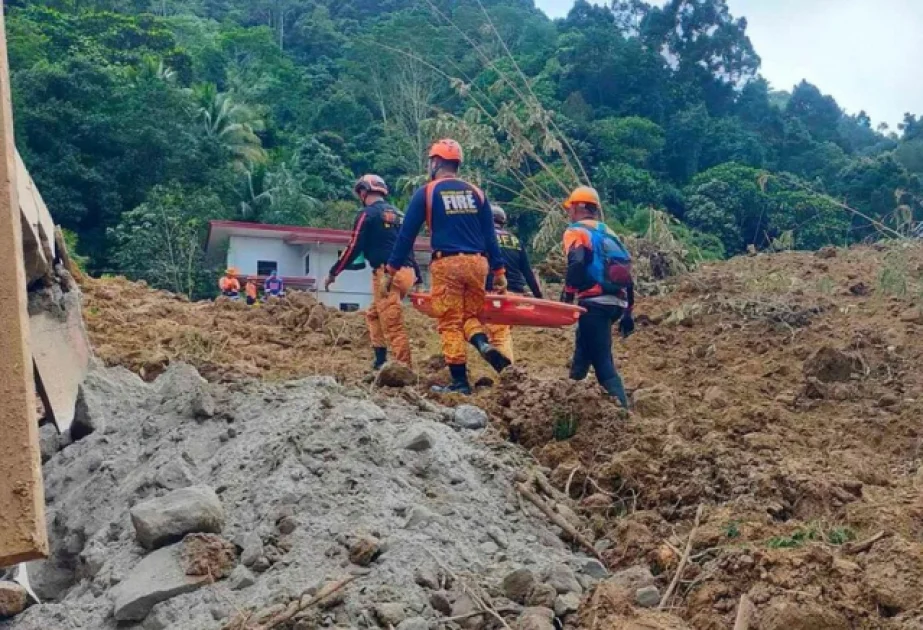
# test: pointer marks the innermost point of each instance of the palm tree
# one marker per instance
(234, 125)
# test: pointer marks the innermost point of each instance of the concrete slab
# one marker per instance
(22, 501)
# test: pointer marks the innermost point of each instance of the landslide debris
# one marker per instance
(165, 519)
(781, 391)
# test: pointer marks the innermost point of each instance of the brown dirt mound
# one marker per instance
(782, 391)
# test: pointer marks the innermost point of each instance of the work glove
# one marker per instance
(330, 280)
(626, 325)
(500, 283)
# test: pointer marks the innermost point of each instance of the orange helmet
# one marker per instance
(371, 183)
(583, 195)
(231, 271)
(447, 149)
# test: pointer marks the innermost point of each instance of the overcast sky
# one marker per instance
(868, 54)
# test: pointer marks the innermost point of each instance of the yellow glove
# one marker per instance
(500, 283)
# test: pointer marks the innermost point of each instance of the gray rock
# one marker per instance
(419, 515)
(173, 475)
(49, 441)
(394, 374)
(518, 584)
(240, 578)
(167, 519)
(536, 618)
(563, 579)
(566, 604)
(440, 602)
(13, 599)
(252, 549)
(496, 534)
(423, 441)
(287, 525)
(647, 597)
(427, 577)
(203, 405)
(489, 547)
(391, 614)
(464, 605)
(632, 578)
(470, 417)
(594, 568)
(542, 595)
(414, 623)
(157, 578)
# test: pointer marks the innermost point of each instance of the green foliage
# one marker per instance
(732, 530)
(268, 110)
(161, 240)
(795, 540)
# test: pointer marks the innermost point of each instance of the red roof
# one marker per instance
(292, 234)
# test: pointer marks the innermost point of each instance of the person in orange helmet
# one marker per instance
(374, 234)
(465, 252)
(519, 275)
(598, 279)
(229, 284)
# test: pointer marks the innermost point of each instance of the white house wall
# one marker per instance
(245, 251)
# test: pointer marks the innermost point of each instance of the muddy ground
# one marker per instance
(782, 392)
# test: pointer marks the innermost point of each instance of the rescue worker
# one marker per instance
(465, 251)
(374, 235)
(596, 282)
(229, 285)
(250, 291)
(273, 285)
(519, 274)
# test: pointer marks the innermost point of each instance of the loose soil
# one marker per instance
(781, 391)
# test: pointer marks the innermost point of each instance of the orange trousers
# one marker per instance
(458, 296)
(385, 316)
(501, 338)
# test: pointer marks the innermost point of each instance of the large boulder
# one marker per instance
(470, 417)
(158, 577)
(535, 619)
(168, 518)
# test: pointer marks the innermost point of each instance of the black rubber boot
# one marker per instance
(494, 357)
(381, 357)
(616, 389)
(459, 382)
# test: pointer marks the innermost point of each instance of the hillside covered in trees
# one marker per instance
(142, 119)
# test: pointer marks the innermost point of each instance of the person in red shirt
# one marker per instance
(465, 252)
(608, 299)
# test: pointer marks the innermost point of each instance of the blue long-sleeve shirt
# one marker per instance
(460, 218)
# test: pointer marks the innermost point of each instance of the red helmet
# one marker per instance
(371, 183)
(447, 149)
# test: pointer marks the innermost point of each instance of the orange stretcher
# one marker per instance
(514, 310)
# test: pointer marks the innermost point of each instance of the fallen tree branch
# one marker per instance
(559, 520)
(542, 483)
(478, 600)
(745, 612)
(865, 545)
(684, 560)
(267, 622)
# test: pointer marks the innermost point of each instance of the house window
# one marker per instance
(307, 265)
(349, 307)
(266, 267)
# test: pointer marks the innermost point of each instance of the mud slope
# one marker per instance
(782, 392)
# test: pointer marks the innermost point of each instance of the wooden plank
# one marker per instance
(22, 498)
